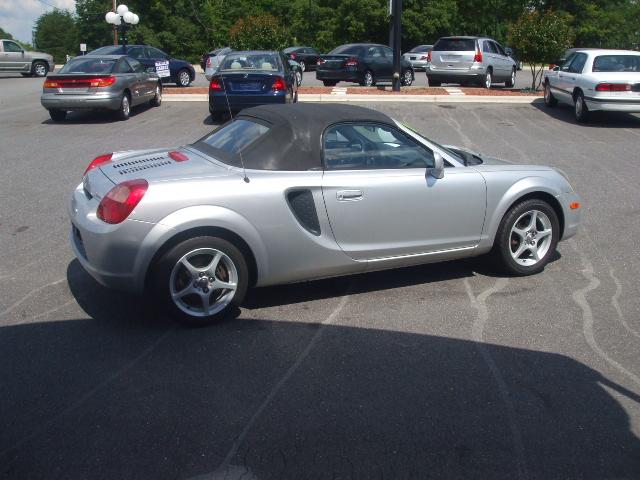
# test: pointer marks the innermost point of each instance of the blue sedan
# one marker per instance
(251, 78)
(180, 72)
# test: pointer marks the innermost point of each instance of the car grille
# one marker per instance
(139, 164)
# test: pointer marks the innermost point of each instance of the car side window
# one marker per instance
(369, 146)
(387, 52)
(499, 49)
(488, 47)
(375, 52)
(577, 65)
(136, 65)
(567, 62)
(155, 53)
(122, 67)
(135, 52)
(11, 46)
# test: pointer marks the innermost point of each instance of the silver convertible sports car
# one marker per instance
(287, 193)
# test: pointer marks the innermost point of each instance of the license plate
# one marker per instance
(73, 90)
(450, 58)
(246, 87)
(412, 58)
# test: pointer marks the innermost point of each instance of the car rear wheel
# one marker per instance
(433, 83)
(329, 83)
(40, 69)
(367, 79)
(512, 80)
(58, 115)
(298, 78)
(488, 79)
(202, 280)
(156, 101)
(125, 108)
(407, 78)
(184, 78)
(549, 99)
(303, 66)
(580, 108)
(527, 237)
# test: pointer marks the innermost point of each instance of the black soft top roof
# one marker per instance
(294, 140)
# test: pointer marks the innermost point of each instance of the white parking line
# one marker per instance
(339, 91)
(454, 91)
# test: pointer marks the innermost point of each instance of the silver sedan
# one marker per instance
(288, 193)
(109, 82)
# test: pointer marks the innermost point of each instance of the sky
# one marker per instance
(18, 17)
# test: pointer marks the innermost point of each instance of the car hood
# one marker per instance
(161, 165)
(39, 54)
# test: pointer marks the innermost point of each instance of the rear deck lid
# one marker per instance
(454, 53)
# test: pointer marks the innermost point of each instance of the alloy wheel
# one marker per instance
(368, 79)
(184, 78)
(303, 67)
(126, 108)
(408, 78)
(203, 282)
(40, 70)
(578, 107)
(530, 238)
(488, 80)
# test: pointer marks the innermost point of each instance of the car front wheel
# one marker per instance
(580, 108)
(202, 280)
(303, 66)
(527, 237)
(125, 108)
(156, 101)
(40, 69)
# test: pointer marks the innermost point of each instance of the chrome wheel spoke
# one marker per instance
(193, 271)
(543, 233)
(206, 305)
(188, 290)
(521, 249)
(219, 284)
(520, 232)
(211, 268)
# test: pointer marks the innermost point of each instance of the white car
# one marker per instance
(593, 79)
(214, 60)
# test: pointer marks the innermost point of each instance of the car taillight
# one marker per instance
(118, 204)
(215, 84)
(103, 81)
(278, 84)
(351, 62)
(613, 87)
(51, 84)
(96, 162)
(477, 57)
(429, 55)
(321, 61)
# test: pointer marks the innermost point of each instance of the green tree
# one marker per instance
(540, 38)
(56, 33)
(92, 27)
(261, 32)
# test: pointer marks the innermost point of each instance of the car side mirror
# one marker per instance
(437, 171)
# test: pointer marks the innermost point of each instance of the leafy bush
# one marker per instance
(261, 32)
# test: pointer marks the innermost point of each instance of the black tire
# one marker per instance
(487, 81)
(183, 78)
(433, 83)
(549, 100)
(512, 79)
(407, 78)
(39, 69)
(580, 110)
(329, 83)
(58, 115)
(156, 101)
(124, 111)
(188, 309)
(303, 66)
(367, 80)
(506, 240)
(26, 75)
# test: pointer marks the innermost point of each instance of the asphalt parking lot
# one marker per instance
(440, 371)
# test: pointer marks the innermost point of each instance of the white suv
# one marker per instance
(593, 79)
(470, 60)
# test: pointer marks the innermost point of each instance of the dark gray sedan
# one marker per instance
(109, 82)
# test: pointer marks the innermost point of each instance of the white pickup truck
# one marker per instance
(14, 58)
(595, 79)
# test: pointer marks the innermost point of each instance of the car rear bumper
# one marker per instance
(615, 104)
(454, 76)
(419, 64)
(102, 100)
(218, 101)
(338, 75)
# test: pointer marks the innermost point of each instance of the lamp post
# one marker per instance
(122, 19)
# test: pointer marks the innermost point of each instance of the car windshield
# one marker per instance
(455, 45)
(420, 49)
(235, 136)
(89, 65)
(616, 63)
(347, 49)
(290, 49)
(250, 61)
(441, 147)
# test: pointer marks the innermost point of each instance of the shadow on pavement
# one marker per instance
(564, 113)
(96, 117)
(127, 395)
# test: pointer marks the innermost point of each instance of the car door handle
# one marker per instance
(349, 195)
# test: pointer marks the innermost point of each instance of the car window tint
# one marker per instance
(366, 146)
(89, 64)
(251, 61)
(567, 62)
(235, 136)
(122, 67)
(136, 65)
(387, 52)
(616, 63)
(11, 46)
(499, 48)
(578, 63)
(488, 47)
(136, 52)
(455, 45)
(155, 53)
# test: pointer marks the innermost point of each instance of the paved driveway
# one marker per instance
(440, 371)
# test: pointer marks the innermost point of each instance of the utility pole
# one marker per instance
(115, 29)
(395, 8)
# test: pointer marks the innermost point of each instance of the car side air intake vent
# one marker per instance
(129, 166)
(304, 209)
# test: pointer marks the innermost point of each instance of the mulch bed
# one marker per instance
(498, 92)
(191, 90)
(389, 91)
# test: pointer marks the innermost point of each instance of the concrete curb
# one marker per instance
(515, 99)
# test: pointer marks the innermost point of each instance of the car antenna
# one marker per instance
(224, 87)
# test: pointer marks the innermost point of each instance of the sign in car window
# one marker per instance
(162, 68)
